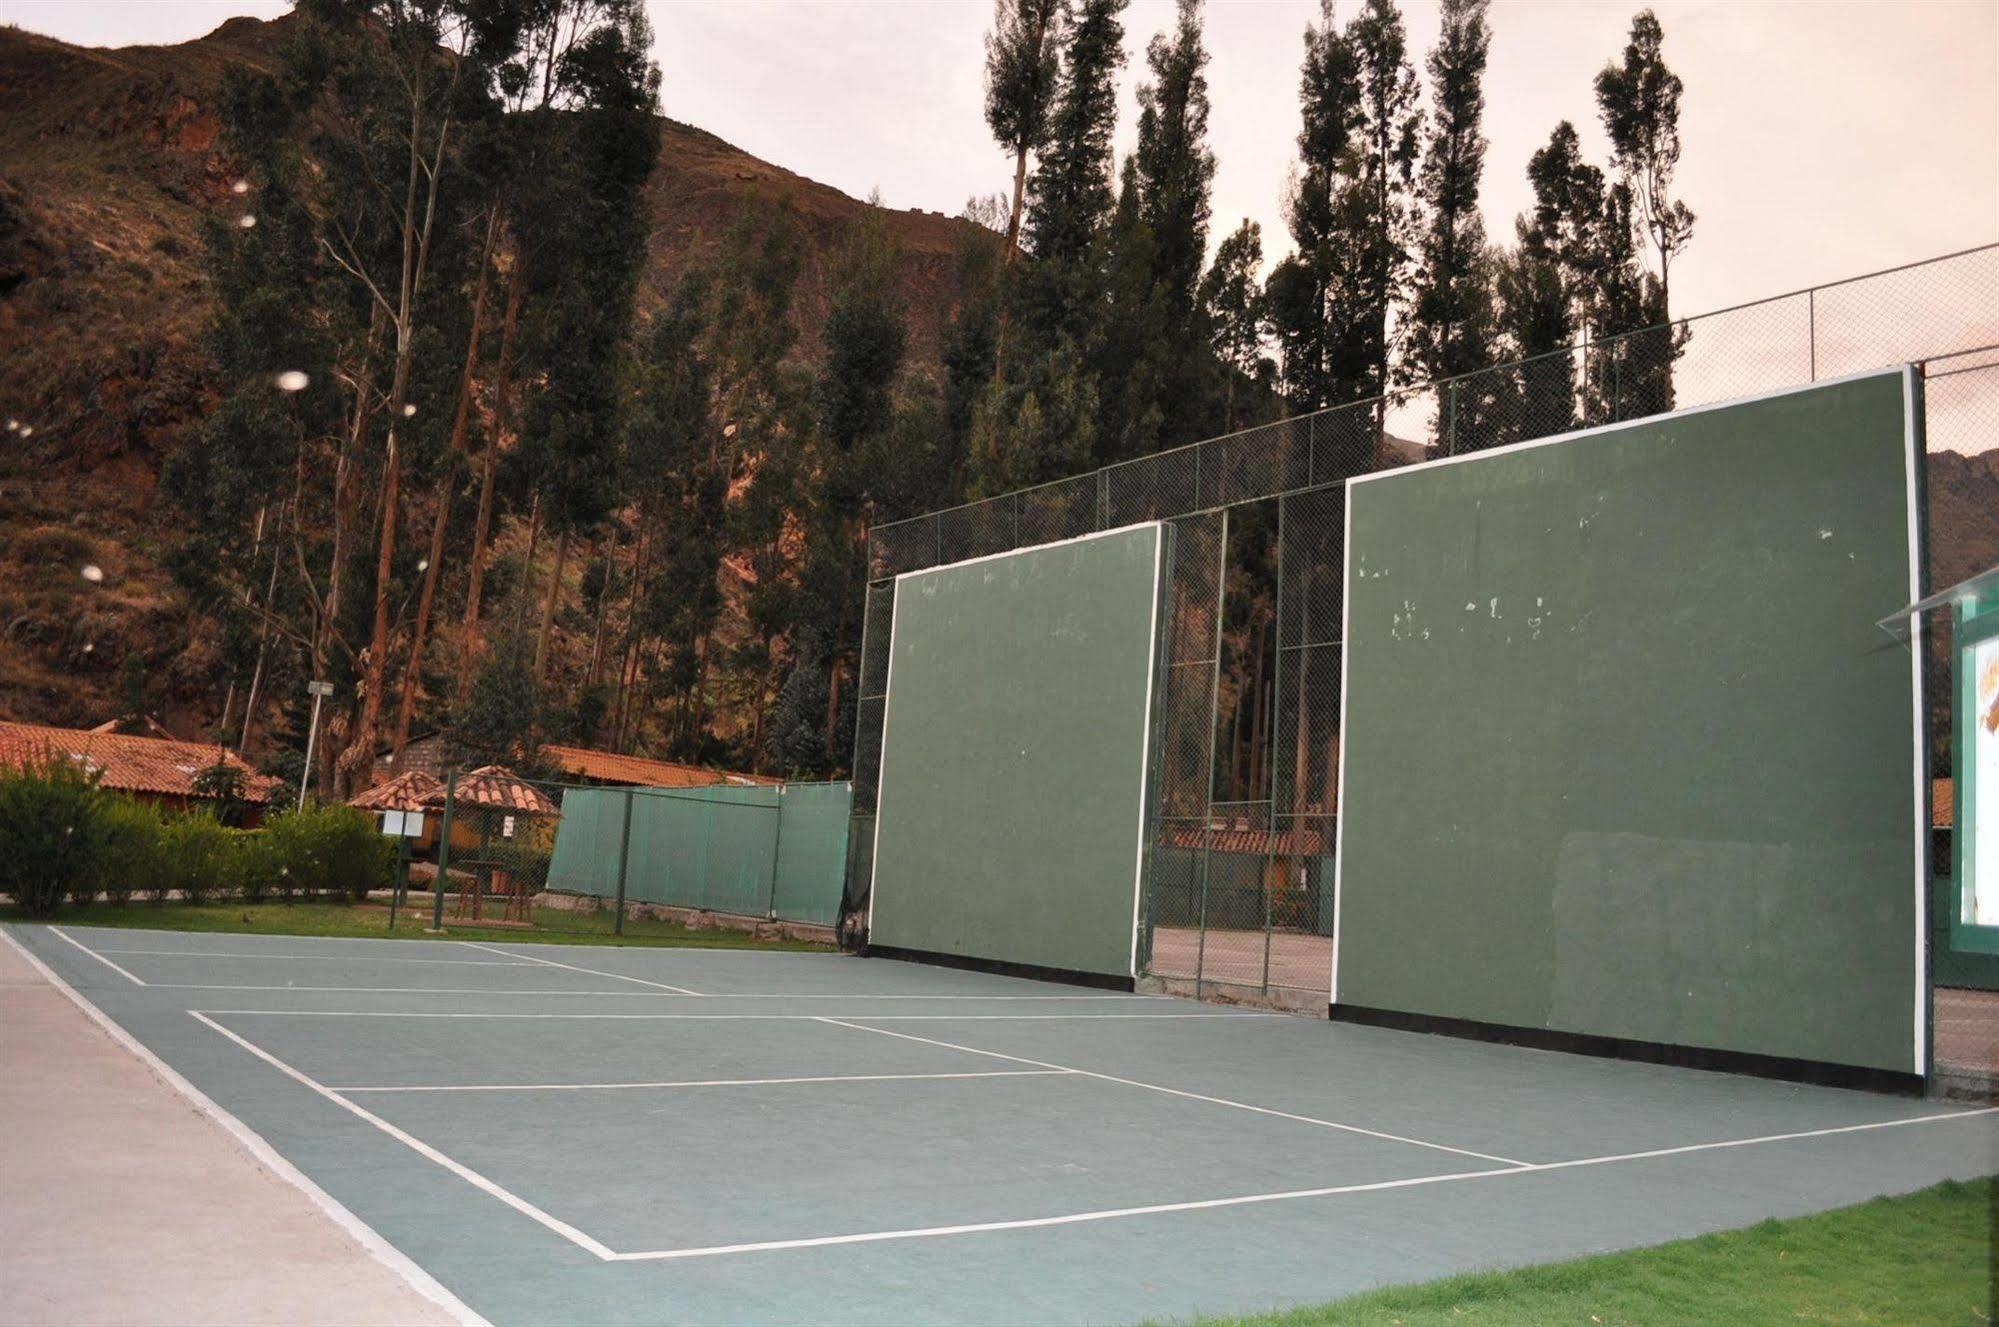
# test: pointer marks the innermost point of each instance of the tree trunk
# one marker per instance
(460, 422)
(469, 640)
(526, 592)
(548, 606)
(603, 599)
(1019, 196)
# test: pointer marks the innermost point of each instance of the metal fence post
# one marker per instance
(624, 856)
(443, 853)
(776, 851)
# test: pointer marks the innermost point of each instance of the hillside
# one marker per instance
(109, 162)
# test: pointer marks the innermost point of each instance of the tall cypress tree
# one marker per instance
(1450, 323)
(1071, 193)
(1022, 70)
(1639, 100)
(1352, 209)
(1175, 170)
(1307, 291)
(1232, 305)
(1389, 134)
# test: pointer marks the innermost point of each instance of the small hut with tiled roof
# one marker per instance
(163, 770)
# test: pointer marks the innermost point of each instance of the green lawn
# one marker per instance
(1925, 1259)
(371, 920)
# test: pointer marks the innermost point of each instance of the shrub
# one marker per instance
(253, 865)
(52, 833)
(132, 849)
(196, 857)
(330, 849)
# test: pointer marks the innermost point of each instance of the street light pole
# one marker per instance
(320, 691)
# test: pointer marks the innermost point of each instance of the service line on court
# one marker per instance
(706, 1082)
(1191, 1096)
(595, 972)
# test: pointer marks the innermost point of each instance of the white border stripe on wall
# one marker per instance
(260, 1151)
(1340, 778)
(1593, 430)
(1145, 789)
(1913, 441)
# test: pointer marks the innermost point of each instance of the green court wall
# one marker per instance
(1624, 752)
(1013, 776)
(768, 850)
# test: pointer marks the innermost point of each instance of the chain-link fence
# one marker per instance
(1240, 895)
(494, 849)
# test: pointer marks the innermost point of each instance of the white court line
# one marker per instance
(61, 934)
(1244, 1200)
(731, 995)
(262, 1152)
(706, 1082)
(1191, 1096)
(321, 958)
(463, 1172)
(706, 1018)
(616, 976)
(383, 990)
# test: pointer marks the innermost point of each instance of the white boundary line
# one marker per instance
(319, 958)
(61, 934)
(1024, 548)
(724, 1018)
(262, 1152)
(702, 1082)
(881, 755)
(1340, 777)
(463, 1172)
(1920, 784)
(1191, 1096)
(1573, 434)
(1145, 789)
(549, 962)
(417, 941)
(1205, 1204)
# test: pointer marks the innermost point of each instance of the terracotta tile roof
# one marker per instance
(158, 765)
(414, 791)
(1943, 807)
(1303, 842)
(640, 771)
(500, 788)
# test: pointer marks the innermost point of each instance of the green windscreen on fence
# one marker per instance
(1624, 753)
(764, 851)
(1009, 819)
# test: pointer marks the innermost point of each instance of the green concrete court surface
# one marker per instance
(648, 1135)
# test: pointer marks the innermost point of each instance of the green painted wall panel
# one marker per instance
(1013, 771)
(1624, 752)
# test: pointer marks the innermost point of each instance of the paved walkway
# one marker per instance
(126, 1204)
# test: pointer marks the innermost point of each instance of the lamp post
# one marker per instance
(319, 691)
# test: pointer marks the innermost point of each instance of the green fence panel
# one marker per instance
(813, 820)
(710, 848)
(586, 843)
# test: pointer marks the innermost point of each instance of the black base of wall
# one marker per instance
(1101, 980)
(1649, 1052)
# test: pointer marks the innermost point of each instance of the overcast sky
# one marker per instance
(1822, 138)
